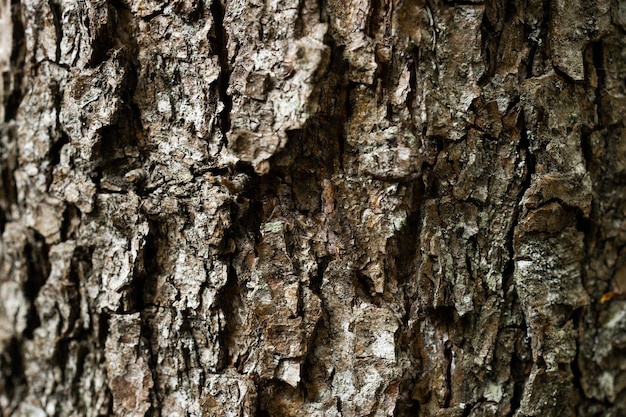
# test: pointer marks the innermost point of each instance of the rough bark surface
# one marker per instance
(313, 208)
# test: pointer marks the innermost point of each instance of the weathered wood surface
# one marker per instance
(313, 208)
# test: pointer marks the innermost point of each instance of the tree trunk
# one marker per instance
(313, 208)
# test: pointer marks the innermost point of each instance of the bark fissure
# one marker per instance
(36, 257)
(15, 77)
(13, 372)
(56, 10)
(220, 48)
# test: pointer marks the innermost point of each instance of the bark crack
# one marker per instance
(38, 267)
(17, 59)
(57, 16)
(219, 43)
(516, 364)
(448, 354)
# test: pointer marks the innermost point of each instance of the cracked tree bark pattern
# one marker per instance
(313, 208)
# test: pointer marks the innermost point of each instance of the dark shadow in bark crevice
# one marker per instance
(54, 154)
(317, 279)
(219, 46)
(405, 245)
(8, 164)
(104, 36)
(520, 361)
(523, 148)
(57, 19)
(14, 380)
(18, 55)
(147, 342)
(143, 289)
(230, 301)
(38, 268)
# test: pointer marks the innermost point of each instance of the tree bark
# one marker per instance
(313, 208)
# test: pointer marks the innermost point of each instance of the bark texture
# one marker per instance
(313, 208)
